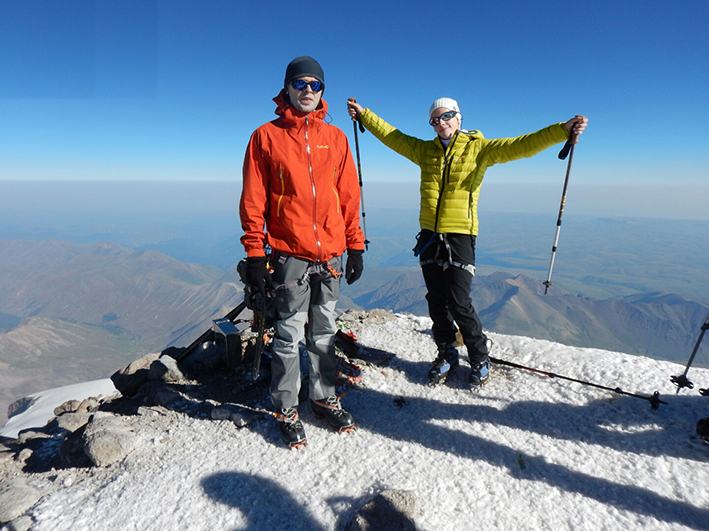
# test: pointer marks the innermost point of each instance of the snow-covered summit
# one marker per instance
(527, 452)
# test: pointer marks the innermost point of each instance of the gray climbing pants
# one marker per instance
(306, 292)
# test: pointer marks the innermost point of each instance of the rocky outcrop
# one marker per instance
(129, 379)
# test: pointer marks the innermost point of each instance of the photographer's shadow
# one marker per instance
(264, 503)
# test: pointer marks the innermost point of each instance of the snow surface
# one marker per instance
(593, 459)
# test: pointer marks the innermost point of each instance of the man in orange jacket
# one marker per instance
(301, 183)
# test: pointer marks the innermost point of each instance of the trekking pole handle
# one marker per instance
(573, 139)
(355, 119)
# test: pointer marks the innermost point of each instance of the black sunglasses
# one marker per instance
(300, 84)
(446, 116)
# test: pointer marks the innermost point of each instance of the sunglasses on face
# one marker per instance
(446, 116)
(300, 84)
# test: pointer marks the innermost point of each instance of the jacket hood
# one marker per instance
(290, 114)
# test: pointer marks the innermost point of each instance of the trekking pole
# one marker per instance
(683, 381)
(568, 149)
(259, 343)
(256, 409)
(654, 399)
(356, 121)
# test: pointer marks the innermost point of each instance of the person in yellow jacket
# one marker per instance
(452, 169)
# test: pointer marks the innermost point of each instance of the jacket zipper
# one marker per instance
(283, 191)
(445, 176)
(334, 188)
(312, 183)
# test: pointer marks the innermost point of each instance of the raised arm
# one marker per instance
(501, 150)
(405, 145)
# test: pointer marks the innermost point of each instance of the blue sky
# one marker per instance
(171, 90)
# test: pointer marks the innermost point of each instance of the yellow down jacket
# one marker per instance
(451, 178)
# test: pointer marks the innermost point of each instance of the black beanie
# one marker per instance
(304, 66)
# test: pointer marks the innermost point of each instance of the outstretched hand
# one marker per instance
(354, 109)
(576, 125)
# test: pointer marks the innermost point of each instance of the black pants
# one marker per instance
(448, 283)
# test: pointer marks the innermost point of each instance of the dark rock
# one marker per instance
(73, 421)
(88, 405)
(161, 394)
(67, 407)
(30, 434)
(20, 406)
(129, 379)
(71, 453)
(392, 510)
(240, 417)
(205, 359)
(165, 369)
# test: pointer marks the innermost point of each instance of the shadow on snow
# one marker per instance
(623, 424)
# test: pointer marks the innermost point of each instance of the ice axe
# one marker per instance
(567, 150)
(355, 122)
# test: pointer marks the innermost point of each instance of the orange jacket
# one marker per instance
(301, 182)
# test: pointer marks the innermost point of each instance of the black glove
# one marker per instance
(258, 275)
(355, 265)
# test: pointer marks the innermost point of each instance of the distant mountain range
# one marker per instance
(155, 298)
(72, 312)
(659, 325)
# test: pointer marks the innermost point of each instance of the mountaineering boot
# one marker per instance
(331, 409)
(292, 430)
(444, 364)
(480, 375)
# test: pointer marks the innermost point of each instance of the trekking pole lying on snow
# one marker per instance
(654, 399)
(683, 381)
(568, 149)
(355, 122)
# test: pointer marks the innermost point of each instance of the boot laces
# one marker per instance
(288, 415)
(332, 403)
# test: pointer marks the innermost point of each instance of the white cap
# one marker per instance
(448, 103)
